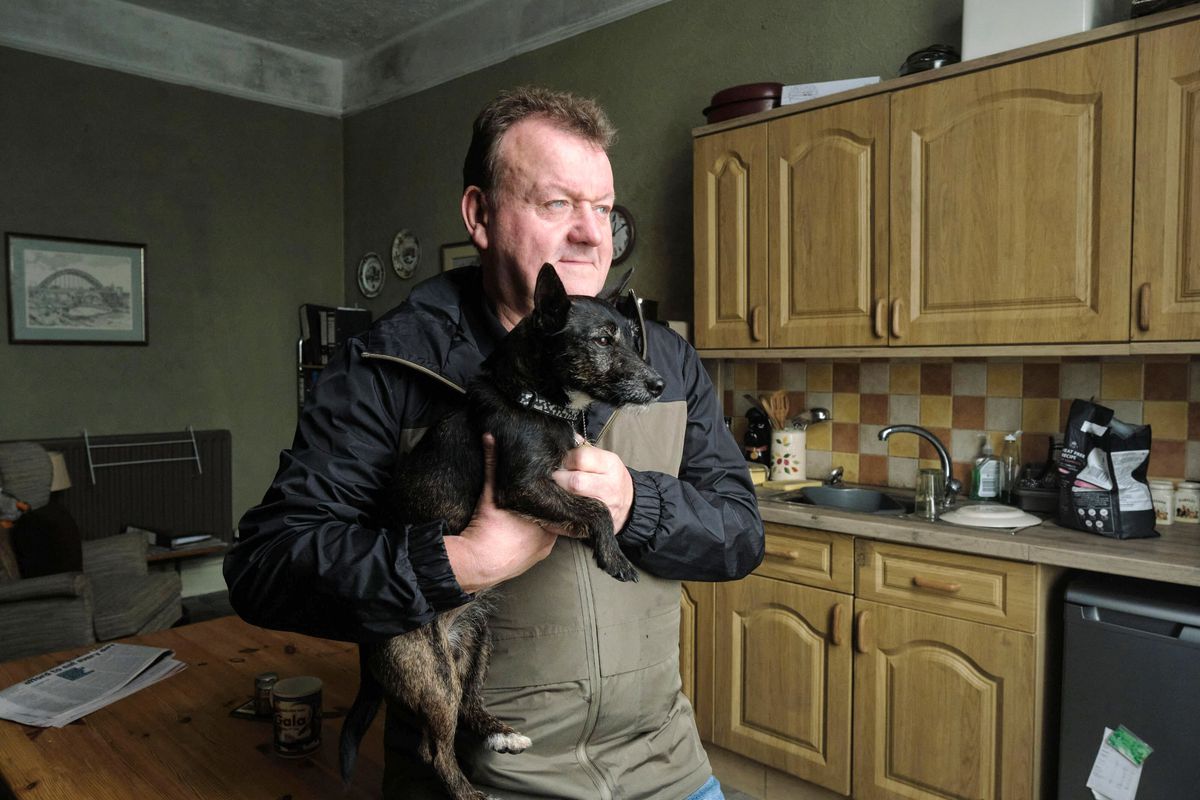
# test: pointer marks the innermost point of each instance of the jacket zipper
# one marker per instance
(592, 640)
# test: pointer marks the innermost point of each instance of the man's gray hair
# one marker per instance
(570, 113)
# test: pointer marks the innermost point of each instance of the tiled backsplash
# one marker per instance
(962, 400)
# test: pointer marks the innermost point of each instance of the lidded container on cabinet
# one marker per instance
(1162, 494)
(1187, 502)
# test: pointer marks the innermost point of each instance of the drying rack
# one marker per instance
(94, 465)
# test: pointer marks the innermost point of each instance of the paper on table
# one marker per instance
(1113, 777)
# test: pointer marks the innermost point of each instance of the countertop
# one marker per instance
(1173, 557)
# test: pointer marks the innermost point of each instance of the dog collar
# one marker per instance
(536, 402)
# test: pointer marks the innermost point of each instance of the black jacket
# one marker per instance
(313, 557)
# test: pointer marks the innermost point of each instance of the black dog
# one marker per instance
(569, 352)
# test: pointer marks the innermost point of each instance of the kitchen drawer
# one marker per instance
(813, 558)
(968, 587)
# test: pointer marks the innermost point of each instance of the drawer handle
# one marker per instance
(786, 555)
(897, 312)
(835, 633)
(862, 642)
(1143, 317)
(756, 331)
(936, 585)
(880, 319)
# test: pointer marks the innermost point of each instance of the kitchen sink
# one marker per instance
(849, 498)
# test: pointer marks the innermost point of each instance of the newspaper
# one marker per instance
(78, 687)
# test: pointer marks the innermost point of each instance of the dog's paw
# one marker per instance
(508, 742)
(621, 569)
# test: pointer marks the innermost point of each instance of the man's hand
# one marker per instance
(592, 472)
(496, 544)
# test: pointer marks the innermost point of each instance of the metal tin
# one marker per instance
(263, 683)
(297, 713)
(1187, 502)
(1162, 495)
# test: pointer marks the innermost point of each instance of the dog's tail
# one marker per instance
(360, 716)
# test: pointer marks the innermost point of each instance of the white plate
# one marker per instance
(990, 515)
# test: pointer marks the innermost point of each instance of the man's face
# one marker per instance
(551, 206)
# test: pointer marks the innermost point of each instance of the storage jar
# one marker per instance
(1162, 494)
(1187, 502)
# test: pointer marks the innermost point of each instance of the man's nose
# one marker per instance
(589, 227)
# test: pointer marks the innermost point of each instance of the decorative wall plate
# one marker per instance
(406, 253)
(370, 275)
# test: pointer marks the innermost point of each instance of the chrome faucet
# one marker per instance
(953, 485)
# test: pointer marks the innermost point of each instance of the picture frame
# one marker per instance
(75, 291)
(459, 254)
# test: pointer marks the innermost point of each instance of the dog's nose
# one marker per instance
(655, 386)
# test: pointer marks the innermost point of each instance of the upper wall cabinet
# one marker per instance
(730, 227)
(1166, 234)
(828, 254)
(1011, 202)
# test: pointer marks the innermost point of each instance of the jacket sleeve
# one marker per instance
(704, 523)
(313, 556)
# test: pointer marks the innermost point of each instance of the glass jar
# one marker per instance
(1162, 494)
(1187, 502)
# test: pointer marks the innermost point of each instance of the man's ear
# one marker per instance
(477, 216)
(550, 301)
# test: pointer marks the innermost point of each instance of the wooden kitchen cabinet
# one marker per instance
(828, 208)
(730, 229)
(1166, 233)
(782, 673)
(695, 651)
(942, 707)
(1011, 218)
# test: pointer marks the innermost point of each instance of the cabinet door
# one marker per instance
(1011, 202)
(1166, 233)
(828, 254)
(696, 651)
(730, 229)
(942, 708)
(782, 678)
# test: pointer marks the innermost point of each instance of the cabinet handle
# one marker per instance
(879, 322)
(787, 555)
(835, 633)
(1143, 313)
(862, 642)
(897, 311)
(756, 332)
(936, 585)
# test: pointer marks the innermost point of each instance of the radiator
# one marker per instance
(164, 495)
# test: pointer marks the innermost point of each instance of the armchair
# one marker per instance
(114, 595)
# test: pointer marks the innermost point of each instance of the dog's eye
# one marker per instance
(603, 341)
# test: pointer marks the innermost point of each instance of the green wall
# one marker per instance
(239, 205)
(654, 72)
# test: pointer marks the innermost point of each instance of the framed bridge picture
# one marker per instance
(75, 291)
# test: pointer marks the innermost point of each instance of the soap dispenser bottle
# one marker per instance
(985, 477)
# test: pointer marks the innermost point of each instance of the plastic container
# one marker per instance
(1162, 494)
(1187, 502)
(1010, 466)
(737, 101)
(985, 478)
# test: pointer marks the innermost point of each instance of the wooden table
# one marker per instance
(176, 739)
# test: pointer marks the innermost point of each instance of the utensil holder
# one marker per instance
(788, 454)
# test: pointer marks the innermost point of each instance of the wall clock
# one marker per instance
(406, 252)
(370, 275)
(623, 233)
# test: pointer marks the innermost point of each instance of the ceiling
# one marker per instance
(331, 57)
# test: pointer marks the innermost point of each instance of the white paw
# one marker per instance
(508, 742)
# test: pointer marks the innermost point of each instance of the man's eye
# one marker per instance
(557, 205)
(603, 210)
(603, 341)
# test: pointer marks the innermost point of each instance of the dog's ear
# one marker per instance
(612, 294)
(550, 301)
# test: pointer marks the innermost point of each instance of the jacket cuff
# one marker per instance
(646, 513)
(431, 565)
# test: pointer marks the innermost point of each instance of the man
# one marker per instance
(584, 665)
